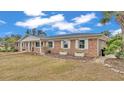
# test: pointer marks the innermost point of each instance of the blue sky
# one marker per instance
(54, 22)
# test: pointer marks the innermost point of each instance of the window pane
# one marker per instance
(65, 44)
(41, 43)
(50, 44)
(81, 43)
(37, 44)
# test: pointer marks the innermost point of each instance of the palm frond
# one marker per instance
(107, 17)
(104, 20)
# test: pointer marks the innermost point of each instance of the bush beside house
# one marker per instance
(7, 43)
(114, 46)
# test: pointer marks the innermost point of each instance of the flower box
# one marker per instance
(79, 54)
(63, 52)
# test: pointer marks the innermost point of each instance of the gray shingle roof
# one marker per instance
(63, 36)
(74, 35)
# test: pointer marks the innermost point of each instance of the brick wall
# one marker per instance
(92, 48)
(90, 52)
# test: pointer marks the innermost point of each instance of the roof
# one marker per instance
(29, 38)
(73, 35)
(34, 38)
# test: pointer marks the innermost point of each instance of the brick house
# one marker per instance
(81, 44)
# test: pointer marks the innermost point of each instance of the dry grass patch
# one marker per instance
(31, 67)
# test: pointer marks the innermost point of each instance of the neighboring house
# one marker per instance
(81, 44)
(2, 44)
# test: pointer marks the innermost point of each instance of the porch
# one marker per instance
(31, 44)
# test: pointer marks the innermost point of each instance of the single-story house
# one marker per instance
(2, 44)
(78, 44)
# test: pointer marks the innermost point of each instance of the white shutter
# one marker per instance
(76, 44)
(86, 44)
(53, 44)
(69, 43)
(61, 44)
(47, 44)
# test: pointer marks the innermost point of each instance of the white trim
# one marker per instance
(76, 44)
(69, 43)
(86, 44)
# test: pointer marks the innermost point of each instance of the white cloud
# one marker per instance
(64, 26)
(99, 24)
(84, 29)
(56, 21)
(61, 33)
(2, 22)
(84, 18)
(31, 23)
(115, 32)
(56, 18)
(69, 27)
(38, 21)
(34, 13)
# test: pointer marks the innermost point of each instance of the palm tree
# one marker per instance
(119, 17)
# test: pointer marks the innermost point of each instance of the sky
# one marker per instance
(55, 22)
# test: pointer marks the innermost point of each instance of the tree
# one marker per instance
(10, 41)
(106, 33)
(34, 31)
(12, 38)
(41, 33)
(28, 32)
(114, 46)
(119, 17)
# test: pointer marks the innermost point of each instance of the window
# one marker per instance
(37, 44)
(50, 44)
(81, 44)
(65, 44)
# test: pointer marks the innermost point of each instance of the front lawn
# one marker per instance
(116, 63)
(32, 67)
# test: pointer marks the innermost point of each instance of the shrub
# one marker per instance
(119, 54)
(8, 49)
(114, 46)
(14, 50)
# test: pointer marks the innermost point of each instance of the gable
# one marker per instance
(104, 38)
(30, 38)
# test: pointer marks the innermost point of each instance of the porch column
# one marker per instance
(20, 46)
(28, 46)
(40, 47)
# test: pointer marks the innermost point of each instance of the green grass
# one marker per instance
(32, 67)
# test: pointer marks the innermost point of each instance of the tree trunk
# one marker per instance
(122, 28)
(120, 19)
